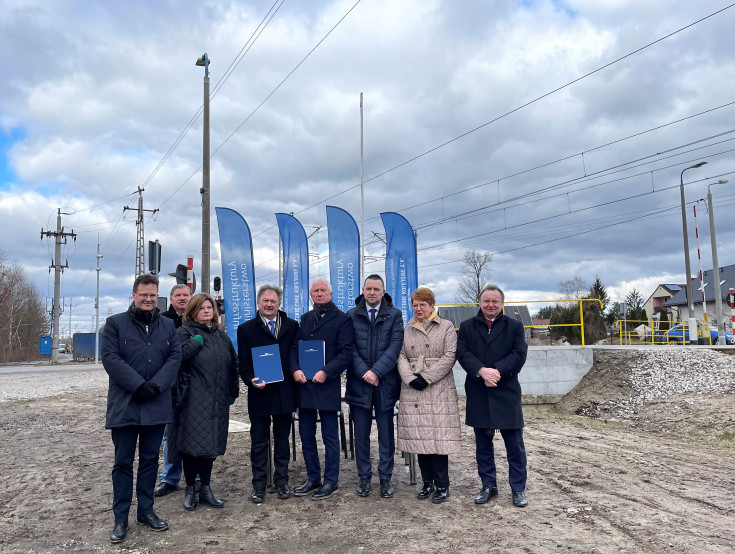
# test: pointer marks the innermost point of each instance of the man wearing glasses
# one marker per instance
(141, 354)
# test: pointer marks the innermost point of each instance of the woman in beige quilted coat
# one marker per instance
(428, 415)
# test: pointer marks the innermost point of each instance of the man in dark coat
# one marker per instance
(373, 381)
(141, 353)
(179, 297)
(324, 392)
(491, 348)
(273, 401)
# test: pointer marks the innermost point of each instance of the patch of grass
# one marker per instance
(727, 436)
(549, 413)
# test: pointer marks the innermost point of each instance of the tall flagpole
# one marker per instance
(362, 199)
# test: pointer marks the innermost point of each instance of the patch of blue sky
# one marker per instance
(7, 139)
(559, 5)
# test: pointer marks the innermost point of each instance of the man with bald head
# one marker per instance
(322, 395)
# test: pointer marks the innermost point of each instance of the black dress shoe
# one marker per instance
(164, 488)
(283, 491)
(485, 494)
(307, 488)
(386, 488)
(119, 532)
(190, 498)
(325, 491)
(364, 487)
(519, 499)
(441, 495)
(153, 521)
(426, 490)
(258, 495)
(206, 496)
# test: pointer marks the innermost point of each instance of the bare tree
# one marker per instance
(475, 275)
(23, 317)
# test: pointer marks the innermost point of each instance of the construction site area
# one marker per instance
(638, 457)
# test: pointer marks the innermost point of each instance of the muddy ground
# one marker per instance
(662, 480)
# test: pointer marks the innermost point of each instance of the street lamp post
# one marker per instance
(715, 263)
(690, 295)
(204, 61)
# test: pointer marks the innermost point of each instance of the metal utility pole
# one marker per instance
(204, 61)
(97, 308)
(692, 325)
(140, 236)
(60, 236)
(716, 263)
(702, 284)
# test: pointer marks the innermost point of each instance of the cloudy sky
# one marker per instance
(550, 133)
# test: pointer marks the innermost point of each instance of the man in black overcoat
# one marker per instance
(322, 395)
(491, 347)
(179, 297)
(275, 401)
(141, 354)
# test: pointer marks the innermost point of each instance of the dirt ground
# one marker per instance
(662, 480)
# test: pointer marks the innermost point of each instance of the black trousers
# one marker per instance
(515, 451)
(148, 440)
(260, 430)
(435, 467)
(195, 465)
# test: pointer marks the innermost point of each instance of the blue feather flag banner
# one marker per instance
(238, 273)
(344, 257)
(295, 264)
(401, 265)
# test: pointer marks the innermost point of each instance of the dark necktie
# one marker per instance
(373, 311)
(272, 325)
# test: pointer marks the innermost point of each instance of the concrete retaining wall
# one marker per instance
(549, 372)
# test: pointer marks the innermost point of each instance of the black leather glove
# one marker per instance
(147, 391)
(419, 383)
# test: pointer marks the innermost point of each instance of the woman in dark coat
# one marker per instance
(201, 418)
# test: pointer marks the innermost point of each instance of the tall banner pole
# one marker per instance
(295, 266)
(362, 195)
(344, 257)
(401, 266)
(238, 271)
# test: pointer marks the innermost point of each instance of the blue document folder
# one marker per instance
(311, 357)
(267, 363)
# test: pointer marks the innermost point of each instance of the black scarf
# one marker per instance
(144, 316)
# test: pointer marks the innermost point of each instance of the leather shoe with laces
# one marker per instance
(364, 487)
(206, 496)
(283, 491)
(119, 532)
(426, 490)
(307, 488)
(325, 491)
(485, 494)
(386, 488)
(153, 521)
(440, 495)
(164, 488)
(519, 499)
(258, 495)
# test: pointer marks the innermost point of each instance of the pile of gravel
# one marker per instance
(657, 374)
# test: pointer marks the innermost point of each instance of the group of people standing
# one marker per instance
(173, 376)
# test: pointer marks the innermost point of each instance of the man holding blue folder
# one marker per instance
(264, 349)
(326, 337)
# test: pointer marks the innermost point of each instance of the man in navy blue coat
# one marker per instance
(374, 382)
(322, 395)
(141, 354)
(491, 347)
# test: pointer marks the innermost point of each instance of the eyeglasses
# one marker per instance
(147, 296)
